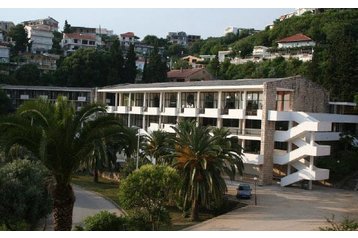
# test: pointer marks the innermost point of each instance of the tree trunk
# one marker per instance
(195, 210)
(95, 175)
(64, 200)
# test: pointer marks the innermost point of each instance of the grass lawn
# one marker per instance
(109, 189)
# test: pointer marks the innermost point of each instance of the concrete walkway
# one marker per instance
(87, 204)
(286, 209)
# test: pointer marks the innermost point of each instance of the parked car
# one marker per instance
(243, 191)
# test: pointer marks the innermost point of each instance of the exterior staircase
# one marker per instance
(302, 138)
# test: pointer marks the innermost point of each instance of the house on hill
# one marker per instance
(188, 75)
(298, 40)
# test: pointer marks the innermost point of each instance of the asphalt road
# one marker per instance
(286, 209)
(87, 204)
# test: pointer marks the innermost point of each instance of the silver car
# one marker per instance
(243, 191)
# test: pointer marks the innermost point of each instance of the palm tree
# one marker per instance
(158, 145)
(61, 138)
(202, 162)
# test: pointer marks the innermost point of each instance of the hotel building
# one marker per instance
(281, 123)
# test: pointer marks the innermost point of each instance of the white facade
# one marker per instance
(240, 106)
(296, 44)
(73, 41)
(1, 36)
(231, 29)
(104, 31)
(260, 51)
(4, 54)
(128, 38)
(222, 54)
(41, 37)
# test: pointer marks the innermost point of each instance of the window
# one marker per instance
(254, 102)
(284, 101)
(75, 41)
(170, 100)
(84, 42)
(92, 43)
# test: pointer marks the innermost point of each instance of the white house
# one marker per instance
(49, 21)
(298, 40)
(260, 51)
(4, 54)
(41, 37)
(231, 29)
(222, 55)
(73, 41)
(128, 38)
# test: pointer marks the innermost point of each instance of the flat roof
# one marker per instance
(210, 84)
(44, 88)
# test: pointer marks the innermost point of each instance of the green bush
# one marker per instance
(104, 221)
(24, 198)
(137, 220)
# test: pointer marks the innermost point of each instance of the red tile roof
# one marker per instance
(182, 73)
(295, 38)
(128, 34)
(79, 36)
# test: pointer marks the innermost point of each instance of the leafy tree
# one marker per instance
(5, 103)
(84, 68)
(155, 69)
(149, 188)
(67, 28)
(19, 35)
(202, 160)
(24, 198)
(154, 41)
(61, 138)
(56, 43)
(27, 74)
(214, 66)
(130, 68)
(181, 64)
(176, 50)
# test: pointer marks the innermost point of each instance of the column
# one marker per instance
(115, 101)
(144, 101)
(289, 148)
(197, 108)
(120, 103)
(219, 120)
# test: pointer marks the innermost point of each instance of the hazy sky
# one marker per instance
(204, 22)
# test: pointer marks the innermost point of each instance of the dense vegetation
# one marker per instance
(24, 197)
(334, 63)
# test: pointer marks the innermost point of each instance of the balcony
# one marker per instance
(122, 109)
(233, 113)
(234, 130)
(136, 110)
(151, 111)
(256, 159)
(110, 109)
(254, 114)
(189, 112)
(153, 126)
(170, 111)
(168, 128)
(210, 112)
(252, 131)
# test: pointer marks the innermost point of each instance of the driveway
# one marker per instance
(87, 204)
(286, 209)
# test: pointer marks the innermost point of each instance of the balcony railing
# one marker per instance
(252, 131)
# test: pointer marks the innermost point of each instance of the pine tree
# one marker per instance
(67, 28)
(156, 69)
(130, 68)
(115, 75)
(19, 35)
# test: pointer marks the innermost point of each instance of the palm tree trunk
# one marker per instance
(64, 200)
(195, 210)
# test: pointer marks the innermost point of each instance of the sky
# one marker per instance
(157, 21)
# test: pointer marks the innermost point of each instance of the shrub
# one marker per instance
(346, 225)
(24, 198)
(104, 221)
(138, 220)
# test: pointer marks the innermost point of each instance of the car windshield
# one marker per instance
(244, 187)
